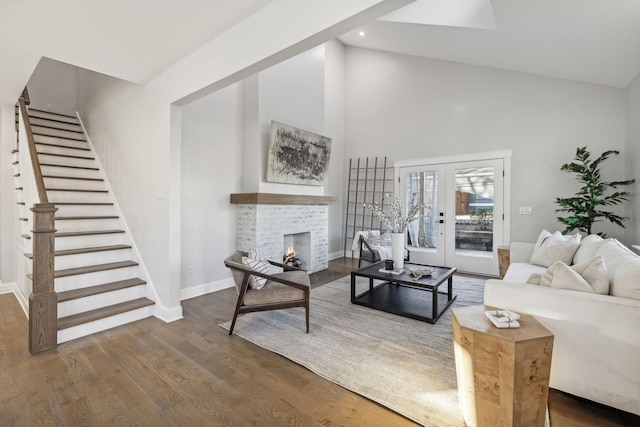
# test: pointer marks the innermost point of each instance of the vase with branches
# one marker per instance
(586, 207)
(397, 224)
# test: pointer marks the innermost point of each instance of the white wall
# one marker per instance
(334, 121)
(633, 158)
(129, 126)
(59, 97)
(406, 107)
(292, 93)
(211, 171)
(8, 219)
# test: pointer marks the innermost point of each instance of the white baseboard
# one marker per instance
(166, 314)
(206, 288)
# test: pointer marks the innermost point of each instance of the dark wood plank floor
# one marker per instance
(190, 373)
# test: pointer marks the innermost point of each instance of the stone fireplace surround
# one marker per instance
(264, 219)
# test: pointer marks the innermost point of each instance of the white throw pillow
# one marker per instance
(556, 247)
(615, 255)
(626, 281)
(534, 279)
(594, 271)
(257, 263)
(373, 239)
(541, 238)
(561, 276)
(588, 247)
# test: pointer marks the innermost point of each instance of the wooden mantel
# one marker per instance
(280, 199)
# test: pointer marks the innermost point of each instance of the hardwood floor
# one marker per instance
(191, 373)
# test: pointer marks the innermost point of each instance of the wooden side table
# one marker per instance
(503, 374)
(504, 259)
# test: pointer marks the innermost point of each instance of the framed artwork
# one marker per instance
(297, 156)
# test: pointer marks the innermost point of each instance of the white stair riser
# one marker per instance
(43, 122)
(47, 149)
(86, 225)
(76, 196)
(92, 279)
(76, 184)
(40, 131)
(56, 160)
(104, 324)
(62, 171)
(80, 305)
(78, 242)
(85, 210)
(92, 258)
(52, 116)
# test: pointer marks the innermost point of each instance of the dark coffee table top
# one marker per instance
(439, 275)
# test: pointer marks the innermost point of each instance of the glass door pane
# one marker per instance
(422, 187)
(474, 201)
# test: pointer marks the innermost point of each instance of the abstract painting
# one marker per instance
(297, 156)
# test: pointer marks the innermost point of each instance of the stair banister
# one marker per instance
(43, 300)
(37, 171)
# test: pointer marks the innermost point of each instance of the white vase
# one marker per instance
(397, 250)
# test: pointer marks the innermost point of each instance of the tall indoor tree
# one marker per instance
(586, 207)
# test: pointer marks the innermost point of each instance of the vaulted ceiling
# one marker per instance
(595, 41)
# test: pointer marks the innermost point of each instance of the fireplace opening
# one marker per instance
(296, 250)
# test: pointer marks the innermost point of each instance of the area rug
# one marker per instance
(403, 364)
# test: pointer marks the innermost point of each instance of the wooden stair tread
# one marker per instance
(56, 127)
(83, 203)
(99, 289)
(69, 166)
(69, 138)
(86, 233)
(101, 313)
(81, 190)
(93, 268)
(76, 218)
(69, 156)
(49, 144)
(80, 178)
(79, 251)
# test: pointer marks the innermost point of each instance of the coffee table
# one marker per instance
(402, 295)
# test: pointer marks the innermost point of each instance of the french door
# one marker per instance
(462, 223)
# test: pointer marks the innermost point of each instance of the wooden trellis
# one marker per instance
(369, 180)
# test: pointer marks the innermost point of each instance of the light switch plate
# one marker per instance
(526, 210)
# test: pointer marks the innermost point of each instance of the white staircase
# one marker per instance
(97, 282)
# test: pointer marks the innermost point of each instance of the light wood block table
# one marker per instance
(503, 374)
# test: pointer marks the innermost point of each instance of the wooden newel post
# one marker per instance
(43, 301)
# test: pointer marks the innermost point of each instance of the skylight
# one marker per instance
(452, 13)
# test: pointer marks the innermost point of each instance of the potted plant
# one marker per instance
(396, 224)
(586, 207)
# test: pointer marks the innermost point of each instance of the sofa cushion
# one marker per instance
(626, 281)
(588, 247)
(556, 248)
(519, 272)
(588, 276)
(561, 276)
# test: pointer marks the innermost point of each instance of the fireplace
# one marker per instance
(270, 223)
(297, 246)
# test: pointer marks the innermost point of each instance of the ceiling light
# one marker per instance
(361, 33)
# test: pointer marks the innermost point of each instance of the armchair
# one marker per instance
(288, 289)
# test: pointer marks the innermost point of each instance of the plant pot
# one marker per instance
(397, 250)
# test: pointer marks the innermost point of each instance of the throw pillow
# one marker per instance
(626, 281)
(373, 239)
(588, 247)
(385, 238)
(534, 279)
(564, 277)
(556, 248)
(541, 238)
(594, 271)
(255, 262)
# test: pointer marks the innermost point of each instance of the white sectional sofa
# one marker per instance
(596, 350)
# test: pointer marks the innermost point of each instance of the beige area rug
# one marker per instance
(405, 365)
